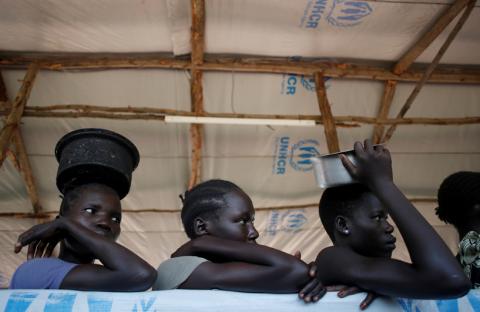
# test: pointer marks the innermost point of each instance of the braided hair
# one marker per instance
(457, 195)
(204, 200)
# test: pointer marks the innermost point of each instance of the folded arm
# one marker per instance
(122, 270)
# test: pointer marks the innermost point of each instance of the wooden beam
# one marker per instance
(429, 36)
(196, 85)
(198, 31)
(17, 110)
(26, 171)
(348, 69)
(431, 68)
(384, 109)
(92, 61)
(4, 104)
(340, 121)
(327, 117)
(20, 158)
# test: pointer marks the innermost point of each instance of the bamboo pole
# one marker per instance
(327, 117)
(17, 110)
(467, 74)
(197, 56)
(429, 36)
(384, 109)
(431, 68)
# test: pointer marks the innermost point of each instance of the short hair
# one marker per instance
(339, 200)
(457, 195)
(204, 200)
(73, 194)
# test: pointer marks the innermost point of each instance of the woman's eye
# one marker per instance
(243, 222)
(89, 210)
(377, 218)
(116, 219)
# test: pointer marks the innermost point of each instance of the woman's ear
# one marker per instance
(341, 225)
(200, 226)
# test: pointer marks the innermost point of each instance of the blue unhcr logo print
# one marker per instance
(348, 13)
(338, 13)
(298, 155)
(290, 83)
(290, 221)
(302, 153)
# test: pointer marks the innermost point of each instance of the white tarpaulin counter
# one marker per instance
(213, 300)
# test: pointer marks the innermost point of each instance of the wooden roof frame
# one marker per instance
(404, 70)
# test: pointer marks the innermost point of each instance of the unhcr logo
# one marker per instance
(290, 221)
(348, 13)
(338, 13)
(293, 221)
(297, 155)
(290, 83)
(302, 153)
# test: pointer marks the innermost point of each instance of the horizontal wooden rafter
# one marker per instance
(348, 69)
(159, 114)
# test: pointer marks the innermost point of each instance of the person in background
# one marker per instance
(459, 205)
(355, 217)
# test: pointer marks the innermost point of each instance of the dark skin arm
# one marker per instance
(248, 267)
(433, 273)
(122, 270)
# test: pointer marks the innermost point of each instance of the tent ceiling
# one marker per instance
(124, 65)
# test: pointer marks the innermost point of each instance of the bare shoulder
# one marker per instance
(333, 255)
(336, 265)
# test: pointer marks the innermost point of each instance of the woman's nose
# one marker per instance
(389, 228)
(252, 233)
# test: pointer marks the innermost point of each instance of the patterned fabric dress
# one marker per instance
(469, 254)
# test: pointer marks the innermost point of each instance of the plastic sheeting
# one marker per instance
(215, 300)
(264, 160)
(180, 301)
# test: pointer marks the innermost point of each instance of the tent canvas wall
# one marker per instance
(124, 65)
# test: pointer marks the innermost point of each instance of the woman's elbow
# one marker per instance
(143, 278)
(456, 286)
(297, 274)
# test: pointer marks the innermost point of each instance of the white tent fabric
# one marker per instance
(251, 156)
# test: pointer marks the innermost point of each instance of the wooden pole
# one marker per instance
(26, 171)
(431, 68)
(381, 71)
(327, 117)
(16, 112)
(197, 56)
(340, 121)
(428, 37)
(384, 109)
(20, 158)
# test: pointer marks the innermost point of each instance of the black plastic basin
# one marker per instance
(95, 156)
